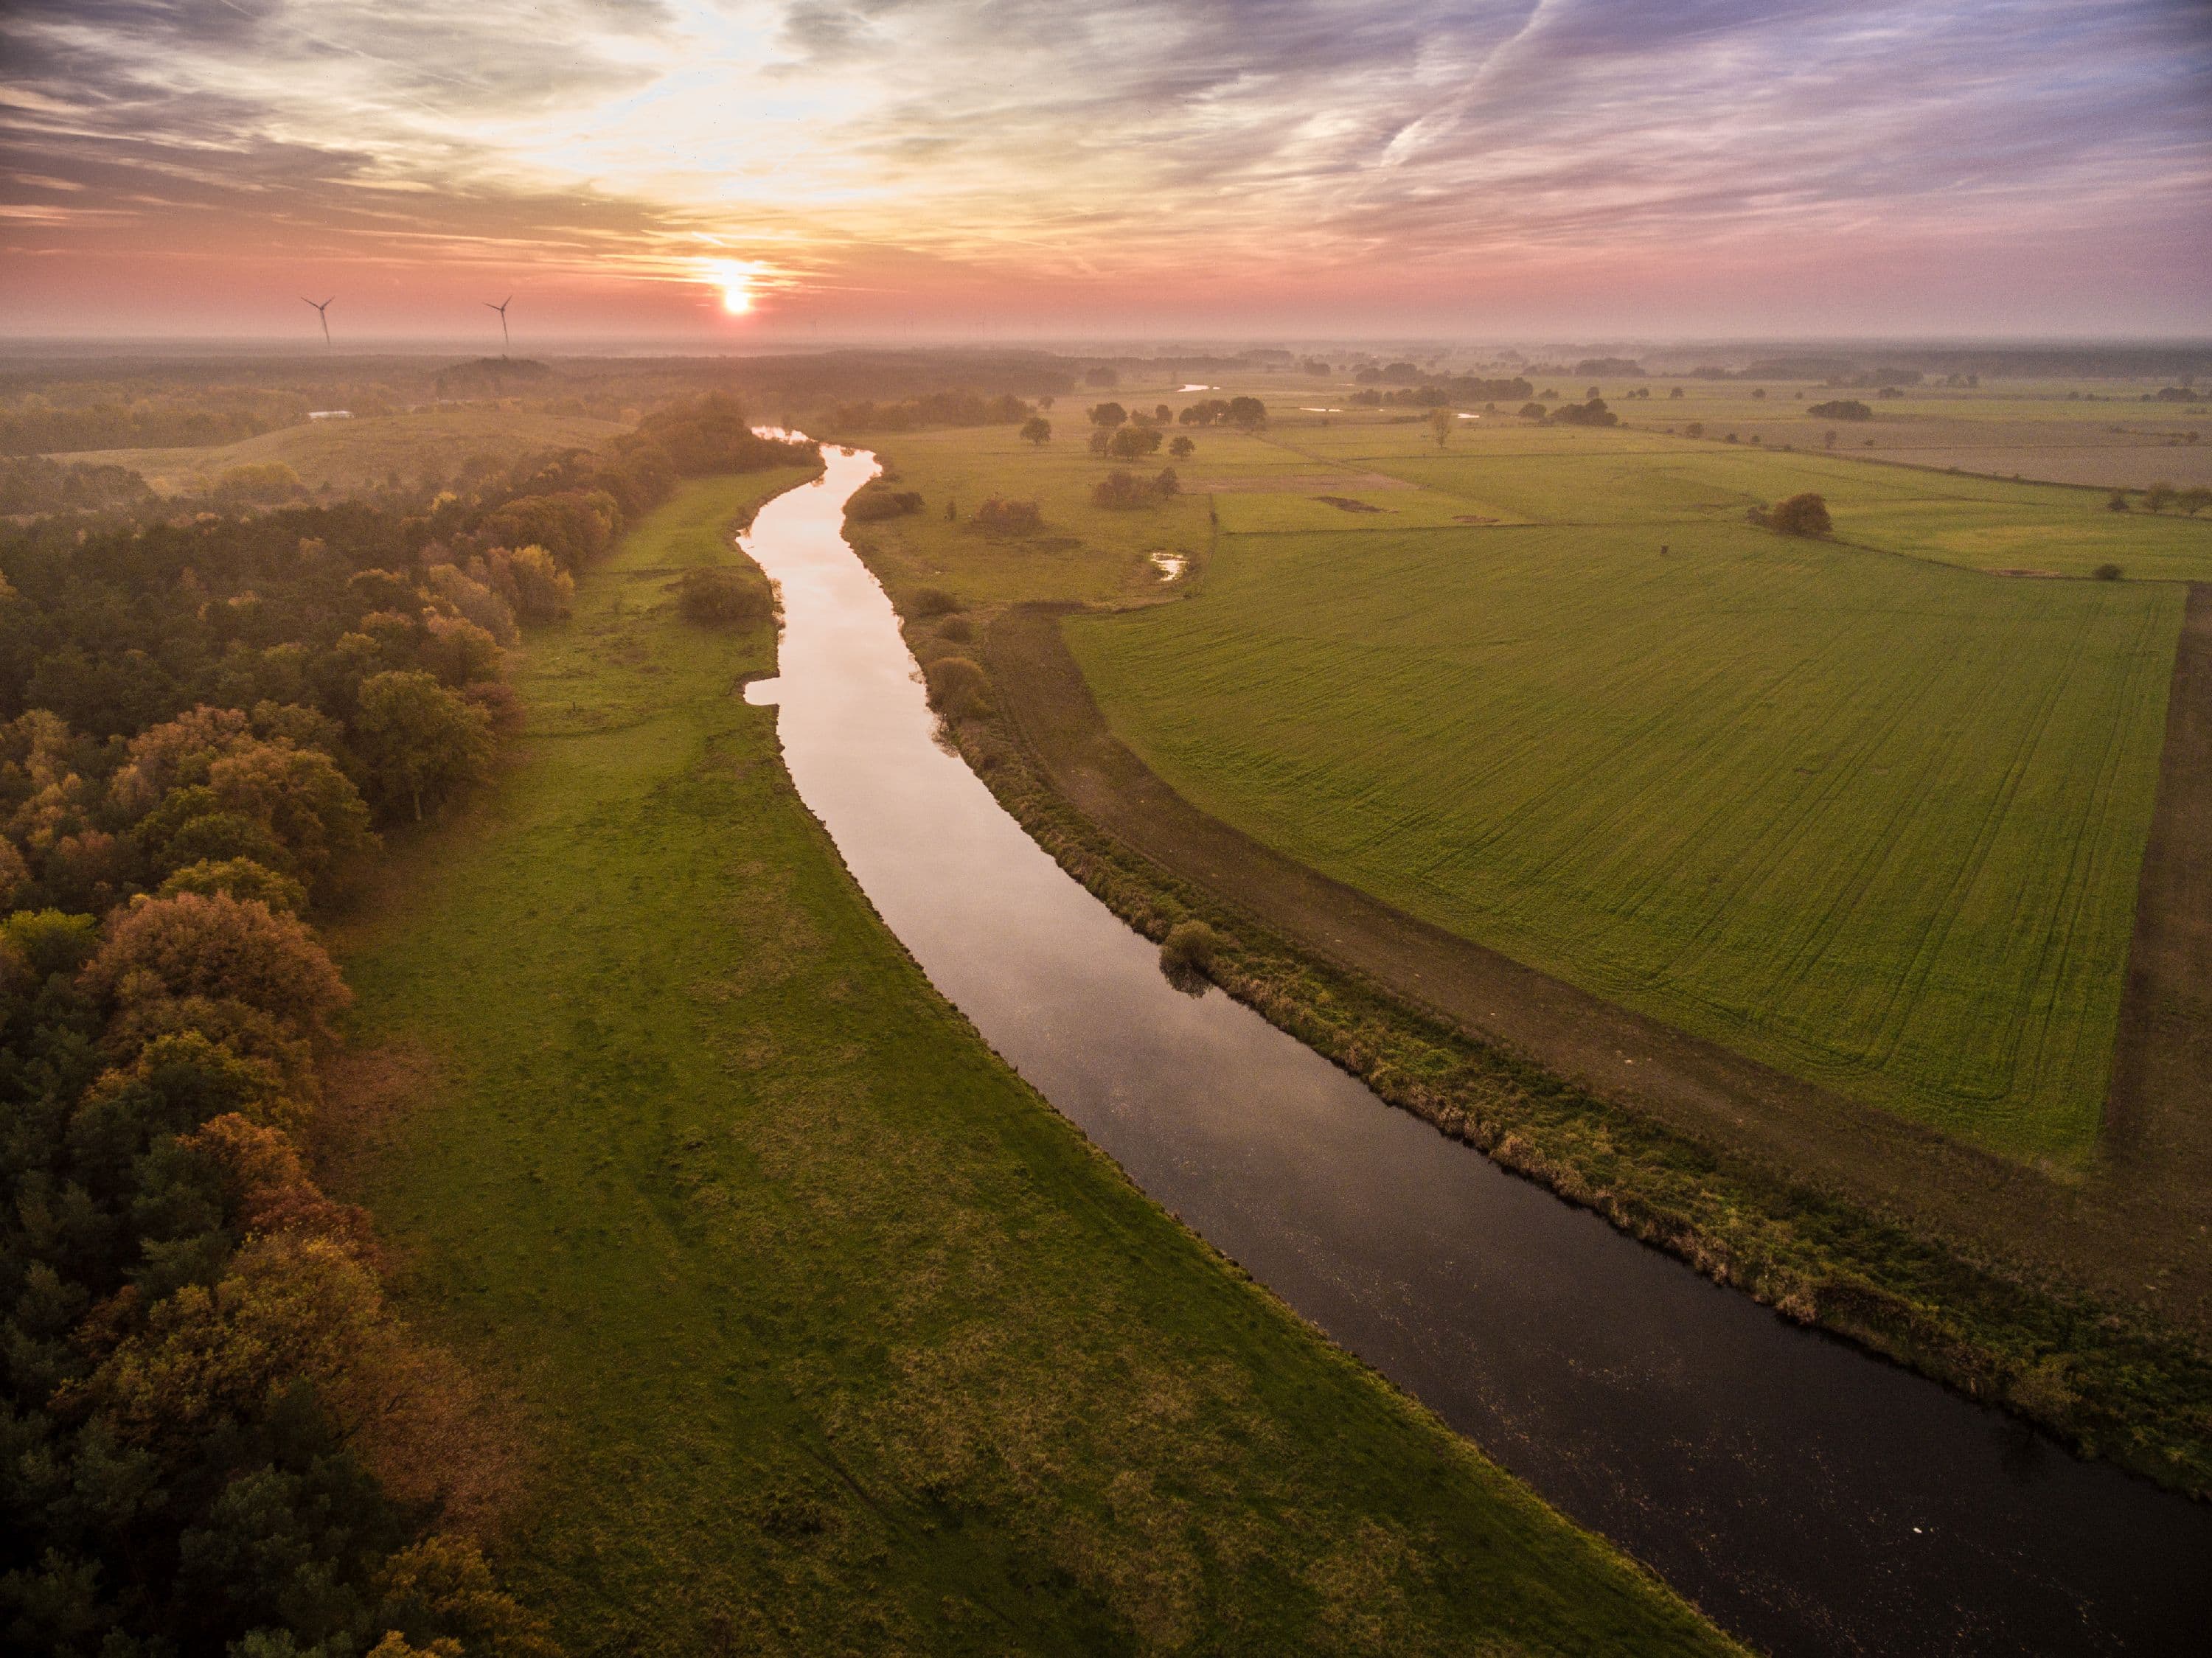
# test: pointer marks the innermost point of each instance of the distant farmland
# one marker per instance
(1876, 822)
(354, 453)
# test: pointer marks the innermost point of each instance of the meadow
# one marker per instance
(829, 1334)
(1861, 808)
(363, 452)
(1875, 823)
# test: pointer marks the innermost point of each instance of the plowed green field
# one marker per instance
(1873, 820)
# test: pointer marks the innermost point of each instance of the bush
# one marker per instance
(1801, 515)
(935, 601)
(957, 629)
(877, 499)
(1009, 518)
(722, 595)
(2107, 572)
(1190, 947)
(958, 687)
(1121, 491)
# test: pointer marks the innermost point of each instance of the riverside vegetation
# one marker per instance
(832, 1334)
(1315, 689)
(216, 1435)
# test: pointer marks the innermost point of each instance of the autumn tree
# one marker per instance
(1441, 422)
(420, 741)
(213, 945)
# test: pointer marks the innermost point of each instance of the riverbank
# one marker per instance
(828, 1332)
(2109, 1379)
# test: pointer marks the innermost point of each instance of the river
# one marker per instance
(1811, 1498)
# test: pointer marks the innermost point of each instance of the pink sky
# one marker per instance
(1015, 169)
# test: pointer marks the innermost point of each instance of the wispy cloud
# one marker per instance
(852, 145)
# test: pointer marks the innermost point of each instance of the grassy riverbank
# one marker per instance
(2068, 1278)
(828, 1333)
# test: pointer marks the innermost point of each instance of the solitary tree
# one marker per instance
(2160, 496)
(1109, 415)
(1182, 448)
(1037, 429)
(1440, 421)
(1802, 515)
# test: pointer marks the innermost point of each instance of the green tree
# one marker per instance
(1802, 515)
(420, 741)
(1036, 430)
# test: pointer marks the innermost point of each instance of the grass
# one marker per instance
(835, 1337)
(1837, 805)
(1877, 824)
(347, 455)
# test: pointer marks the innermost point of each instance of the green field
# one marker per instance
(1614, 477)
(1874, 821)
(828, 1333)
(346, 454)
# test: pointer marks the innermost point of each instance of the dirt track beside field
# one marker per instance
(2160, 1111)
(2138, 1228)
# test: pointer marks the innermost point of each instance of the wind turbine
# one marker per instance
(502, 308)
(323, 311)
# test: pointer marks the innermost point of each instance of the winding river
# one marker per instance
(1811, 1498)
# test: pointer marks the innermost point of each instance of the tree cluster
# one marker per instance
(1121, 491)
(1593, 413)
(216, 1436)
(932, 408)
(1841, 409)
(1009, 518)
(1246, 414)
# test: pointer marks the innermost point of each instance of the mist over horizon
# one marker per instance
(733, 176)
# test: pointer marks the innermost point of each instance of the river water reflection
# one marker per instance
(1811, 1498)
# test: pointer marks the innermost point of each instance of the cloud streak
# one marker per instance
(927, 152)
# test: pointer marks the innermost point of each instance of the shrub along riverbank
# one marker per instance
(829, 1333)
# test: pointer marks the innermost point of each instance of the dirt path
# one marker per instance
(2140, 1229)
(2160, 1113)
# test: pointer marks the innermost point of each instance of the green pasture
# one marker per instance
(347, 455)
(1873, 820)
(1610, 476)
(826, 1332)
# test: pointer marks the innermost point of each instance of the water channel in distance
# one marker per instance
(1811, 1498)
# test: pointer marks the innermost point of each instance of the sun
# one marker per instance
(735, 278)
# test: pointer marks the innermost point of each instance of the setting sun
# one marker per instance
(735, 278)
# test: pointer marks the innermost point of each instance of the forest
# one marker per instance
(217, 1434)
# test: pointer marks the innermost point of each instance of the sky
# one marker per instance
(728, 173)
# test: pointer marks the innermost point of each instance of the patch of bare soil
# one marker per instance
(2138, 1229)
(2158, 1119)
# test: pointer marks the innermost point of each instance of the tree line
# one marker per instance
(218, 1436)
